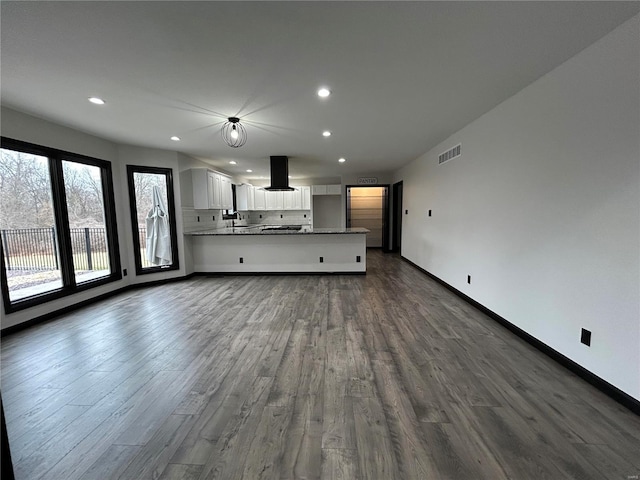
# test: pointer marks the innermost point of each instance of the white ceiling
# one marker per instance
(404, 75)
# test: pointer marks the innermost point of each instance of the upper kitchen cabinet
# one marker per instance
(318, 189)
(275, 200)
(334, 189)
(298, 199)
(326, 189)
(245, 197)
(293, 199)
(305, 193)
(260, 201)
(226, 193)
(249, 197)
(211, 190)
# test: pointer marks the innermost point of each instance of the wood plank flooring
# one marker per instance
(384, 376)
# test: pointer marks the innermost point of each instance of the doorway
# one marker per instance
(396, 235)
(368, 207)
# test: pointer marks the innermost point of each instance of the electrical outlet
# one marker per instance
(585, 337)
(321, 259)
(406, 212)
(124, 272)
(429, 212)
(469, 279)
(241, 260)
(357, 258)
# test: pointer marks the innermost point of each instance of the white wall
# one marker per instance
(542, 209)
(20, 126)
(327, 211)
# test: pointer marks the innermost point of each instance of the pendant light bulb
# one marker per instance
(233, 133)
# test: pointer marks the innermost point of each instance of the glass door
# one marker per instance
(153, 218)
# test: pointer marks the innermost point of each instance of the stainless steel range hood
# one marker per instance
(279, 174)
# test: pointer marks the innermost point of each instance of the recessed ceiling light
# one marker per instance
(342, 160)
(175, 139)
(96, 100)
(249, 171)
(326, 133)
(232, 162)
(324, 92)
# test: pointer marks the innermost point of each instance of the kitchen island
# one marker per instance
(279, 249)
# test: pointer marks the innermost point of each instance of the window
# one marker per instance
(153, 218)
(58, 230)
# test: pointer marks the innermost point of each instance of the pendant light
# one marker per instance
(234, 133)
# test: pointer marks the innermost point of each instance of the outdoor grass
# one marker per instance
(45, 262)
(29, 270)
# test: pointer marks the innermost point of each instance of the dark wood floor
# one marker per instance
(383, 376)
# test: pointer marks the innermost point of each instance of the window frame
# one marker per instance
(173, 230)
(63, 234)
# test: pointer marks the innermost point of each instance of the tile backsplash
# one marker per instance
(197, 220)
(279, 217)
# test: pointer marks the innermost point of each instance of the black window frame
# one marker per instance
(173, 230)
(59, 199)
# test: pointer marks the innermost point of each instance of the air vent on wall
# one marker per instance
(449, 154)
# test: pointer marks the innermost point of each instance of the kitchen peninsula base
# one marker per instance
(344, 252)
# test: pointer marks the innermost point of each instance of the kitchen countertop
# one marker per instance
(260, 230)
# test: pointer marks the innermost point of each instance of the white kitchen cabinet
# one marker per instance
(296, 199)
(245, 197)
(334, 189)
(260, 202)
(211, 191)
(215, 190)
(250, 198)
(226, 193)
(287, 200)
(306, 197)
(274, 200)
(293, 199)
(326, 189)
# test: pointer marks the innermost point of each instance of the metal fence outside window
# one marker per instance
(37, 249)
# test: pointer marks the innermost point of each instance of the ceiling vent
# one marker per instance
(449, 154)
